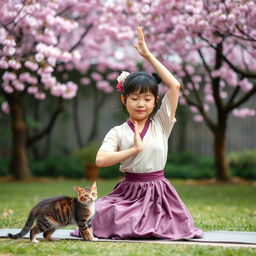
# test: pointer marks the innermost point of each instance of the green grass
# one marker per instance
(214, 207)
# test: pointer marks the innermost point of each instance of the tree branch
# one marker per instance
(238, 70)
(49, 127)
(82, 37)
(205, 64)
(232, 97)
(207, 120)
(194, 88)
(216, 81)
(243, 99)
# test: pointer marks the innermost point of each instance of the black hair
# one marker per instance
(142, 82)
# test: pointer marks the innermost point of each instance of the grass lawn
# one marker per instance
(214, 207)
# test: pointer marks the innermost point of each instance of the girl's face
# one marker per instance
(139, 105)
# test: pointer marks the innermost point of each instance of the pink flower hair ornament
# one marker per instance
(120, 79)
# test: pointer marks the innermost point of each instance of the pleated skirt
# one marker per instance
(143, 205)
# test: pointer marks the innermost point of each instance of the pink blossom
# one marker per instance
(8, 76)
(28, 78)
(208, 88)
(14, 64)
(45, 70)
(3, 63)
(9, 51)
(8, 89)
(48, 81)
(222, 84)
(190, 69)
(52, 61)
(104, 86)
(209, 98)
(40, 95)
(39, 57)
(32, 89)
(245, 84)
(198, 118)
(162, 89)
(9, 42)
(24, 76)
(223, 95)
(31, 65)
(125, 35)
(19, 86)
(206, 107)
(182, 101)
(65, 56)
(71, 90)
(76, 55)
(96, 76)
(112, 76)
(58, 89)
(197, 79)
(194, 109)
(41, 48)
(244, 112)
(5, 107)
(190, 86)
(85, 81)
(50, 19)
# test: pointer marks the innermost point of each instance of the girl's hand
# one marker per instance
(137, 139)
(141, 46)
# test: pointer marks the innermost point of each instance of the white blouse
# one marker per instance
(155, 141)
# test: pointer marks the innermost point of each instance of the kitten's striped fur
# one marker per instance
(61, 211)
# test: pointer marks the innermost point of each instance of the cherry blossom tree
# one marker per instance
(41, 41)
(29, 38)
(210, 45)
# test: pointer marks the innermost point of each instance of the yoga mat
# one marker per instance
(236, 237)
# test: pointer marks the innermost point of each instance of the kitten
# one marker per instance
(61, 211)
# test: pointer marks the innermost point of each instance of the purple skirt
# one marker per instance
(143, 205)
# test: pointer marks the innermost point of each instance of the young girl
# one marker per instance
(144, 204)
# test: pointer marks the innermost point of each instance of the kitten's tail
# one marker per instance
(26, 227)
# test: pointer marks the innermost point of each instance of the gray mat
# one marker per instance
(237, 237)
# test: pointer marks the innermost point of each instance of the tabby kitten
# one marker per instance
(61, 211)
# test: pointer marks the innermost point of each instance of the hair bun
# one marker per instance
(157, 77)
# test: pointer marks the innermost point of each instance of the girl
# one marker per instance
(144, 204)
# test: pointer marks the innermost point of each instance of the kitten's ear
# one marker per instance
(77, 189)
(93, 186)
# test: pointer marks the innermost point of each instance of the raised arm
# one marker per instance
(168, 79)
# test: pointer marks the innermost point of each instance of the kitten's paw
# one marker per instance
(35, 241)
(95, 239)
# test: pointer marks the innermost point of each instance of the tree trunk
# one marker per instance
(221, 163)
(19, 161)
(98, 102)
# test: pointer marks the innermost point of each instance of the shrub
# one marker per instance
(110, 172)
(188, 165)
(56, 166)
(87, 154)
(183, 166)
(183, 158)
(243, 164)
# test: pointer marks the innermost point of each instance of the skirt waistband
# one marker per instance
(148, 176)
